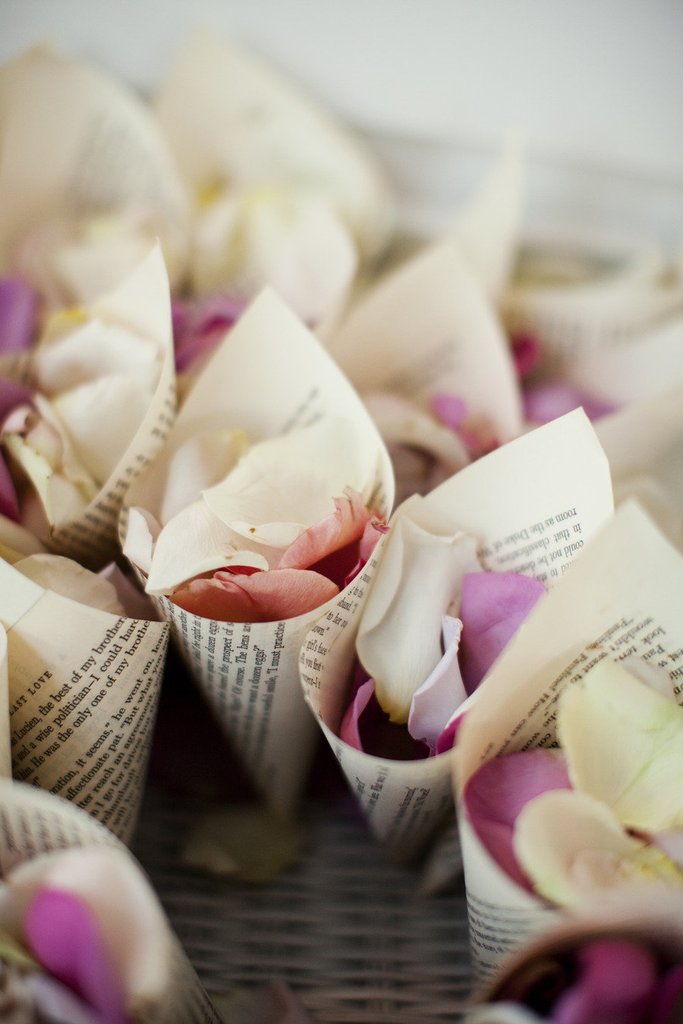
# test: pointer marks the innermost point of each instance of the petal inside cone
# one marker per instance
(257, 597)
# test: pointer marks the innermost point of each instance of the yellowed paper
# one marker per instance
(45, 841)
(83, 691)
(620, 599)
(90, 176)
(427, 328)
(268, 377)
(523, 504)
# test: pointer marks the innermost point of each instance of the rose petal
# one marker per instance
(9, 505)
(446, 740)
(257, 597)
(545, 402)
(493, 606)
(399, 639)
(18, 315)
(12, 395)
(669, 1003)
(442, 692)
(526, 353)
(496, 794)
(450, 409)
(367, 727)
(331, 547)
(571, 846)
(624, 745)
(616, 983)
(200, 462)
(64, 936)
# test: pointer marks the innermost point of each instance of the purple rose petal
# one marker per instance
(668, 1008)
(493, 606)
(616, 983)
(366, 727)
(197, 333)
(9, 504)
(435, 702)
(18, 315)
(446, 740)
(65, 938)
(545, 402)
(449, 410)
(497, 792)
(12, 394)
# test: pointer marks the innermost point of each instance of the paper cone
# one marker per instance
(83, 692)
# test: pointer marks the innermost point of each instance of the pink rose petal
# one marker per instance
(616, 983)
(255, 596)
(497, 792)
(526, 353)
(545, 402)
(18, 315)
(435, 702)
(446, 740)
(450, 410)
(65, 938)
(493, 606)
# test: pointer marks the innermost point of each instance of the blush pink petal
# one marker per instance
(332, 546)
(18, 315)
(616, 983)
(435, 702)
(349, 730)
(446, 740)
(545, 402)
(268, 596)
(64, 937)
(493, 606)
(497, 792)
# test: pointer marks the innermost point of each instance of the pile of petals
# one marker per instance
(281, 534)
(605, 978)
(602, 812)
(433, 626)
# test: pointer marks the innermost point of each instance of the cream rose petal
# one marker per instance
(91, 350)
(571, 846)
(195, 541)
(283, 486)
(399, 639)
(102, 417)
(142, 530)
(197, 464)
(638, 777)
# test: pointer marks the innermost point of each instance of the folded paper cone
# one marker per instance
(248, 672)
(406, 801)
(633, 576)
(83, 691)
(50, 848)
(141, 307)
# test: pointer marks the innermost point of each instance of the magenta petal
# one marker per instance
(493, 606)
(349, 730)
(198, 332)
(449, 409)
(9, 506)
(435, 702)
(12, 395)
(668, 1006)
(18, 315)
(497, 792)
(63, 935)
(366, 726)
(446, 740)
(526, 353)
(616, 984)
(545, 402)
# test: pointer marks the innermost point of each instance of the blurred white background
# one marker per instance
(595, 86)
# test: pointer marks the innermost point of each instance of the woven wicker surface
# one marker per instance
(350, 933)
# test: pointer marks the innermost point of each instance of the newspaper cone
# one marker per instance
(90, 176)
(249, 671)
(517, 503)
(427, 329)
(578, 293)
(83, 692)
(653, 920)
(634, 578)
(5, 744)
(48, 844)
(140, 307)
